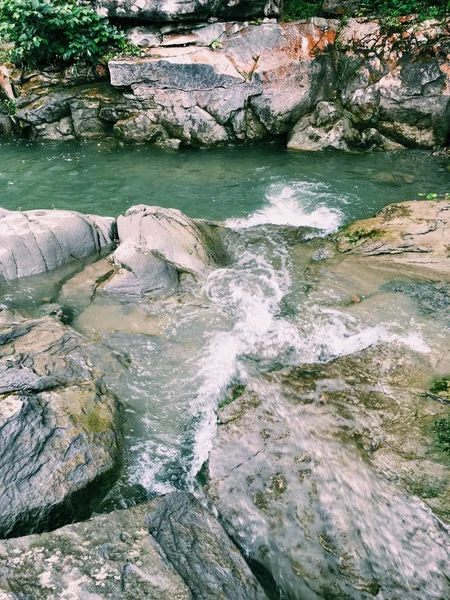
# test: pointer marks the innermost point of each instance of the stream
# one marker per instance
(273, 307)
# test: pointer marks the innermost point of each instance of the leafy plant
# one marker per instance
(216, 45)
(301, 9)
(49, 31)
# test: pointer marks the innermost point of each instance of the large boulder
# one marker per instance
(186, 10)
(116, 556)
(415, 235)
(37, 241)
(321, 473)
(159, 244)
(60, 426)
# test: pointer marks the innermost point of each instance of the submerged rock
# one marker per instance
(412, 234)
(60, 426)
(115, 556)
(315, 470)
(37, 241)
(157, 244)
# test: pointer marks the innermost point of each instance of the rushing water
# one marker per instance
(268, 309)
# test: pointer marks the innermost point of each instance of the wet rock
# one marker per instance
(111, 556)
(188, 10)
(303, 458)
(200, 551)
(118, 556)
(37, 241)
(60, 426)
(412, 234)
(158, 244)
(79, 291)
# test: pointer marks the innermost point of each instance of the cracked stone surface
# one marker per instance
(168, 549)
(37, 241)
(60, 425)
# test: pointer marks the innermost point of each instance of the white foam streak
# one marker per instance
(289, 205)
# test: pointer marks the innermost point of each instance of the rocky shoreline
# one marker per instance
(61, 426)
(318, 84)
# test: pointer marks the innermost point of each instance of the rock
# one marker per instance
(110, 556)
(156, 244)
(79, 291)
(188, 10)
(60, 426)
(412, 234)
(328, 128)
(37, 241)
(221, 83)
(200, 551)
(115, 556)
(303, 457)
(142, 272)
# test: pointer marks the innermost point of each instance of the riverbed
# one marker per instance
(274, 306)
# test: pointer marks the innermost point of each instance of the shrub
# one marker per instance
(425, 9)
(301, 9)
(49, 31)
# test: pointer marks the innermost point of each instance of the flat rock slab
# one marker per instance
(115, 556)
(60, 426)
(38, 241)
(413, 235)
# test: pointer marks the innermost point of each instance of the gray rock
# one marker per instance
(316, 470)
(37, 241)
(115, 556)
(186, 10)
(411, 234)
(110, 556)
(141, 272)
(157, 243)
(60, 427)
(197, 546)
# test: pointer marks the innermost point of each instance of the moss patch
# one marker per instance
(441, 430)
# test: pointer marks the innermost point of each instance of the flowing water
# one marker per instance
(278, 304)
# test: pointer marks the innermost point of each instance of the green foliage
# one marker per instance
(441, 429)
(388, 9)
(301, 9)
(54, 31)
(425, 9)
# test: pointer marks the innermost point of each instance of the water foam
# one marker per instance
(250, 293)
(301, 204)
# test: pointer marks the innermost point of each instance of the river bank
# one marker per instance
(317, 84)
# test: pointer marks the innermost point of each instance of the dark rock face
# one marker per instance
(316, 473)
(200, 550)
(60, 427)
(185, 10)
(168, 549)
